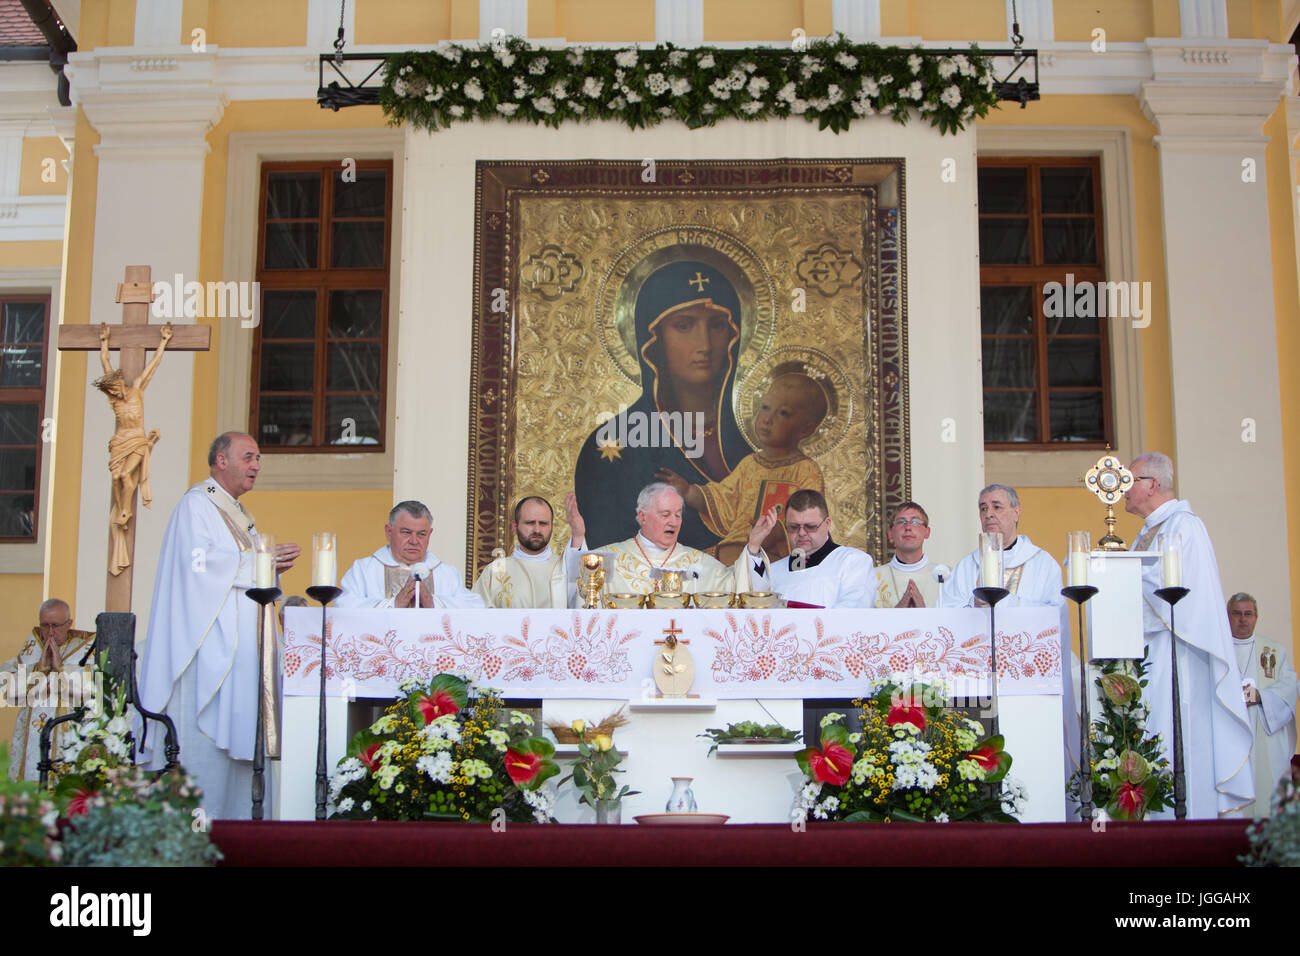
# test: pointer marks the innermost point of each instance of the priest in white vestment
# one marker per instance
(387, 578)
(1216, 732)
(200, 662)
(659, 513)
(907, 580)
(1031, 574)
(42, 681)
(532, 575)
(819, 572)
(1268, 680)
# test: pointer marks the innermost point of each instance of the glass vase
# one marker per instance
(609, 811)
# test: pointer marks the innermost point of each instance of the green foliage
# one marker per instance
(830, 83)
(1276, 840)
(749, 730)
(27, 821)
(137, 834)
(593, 773)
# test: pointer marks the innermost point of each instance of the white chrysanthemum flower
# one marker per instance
(705, 61)
(474, 91)
(574, 57)
(914, 63)
(834, 94)
(632, 97)
(617, 103)
(757, 85)
(947, 67)
(665, 111)
(656, 84)
(626, 58)
(846, 59)
(914, 91)
(456, 110)
(810, 65)
(505, 56)
(799, 107)
(559, 90)
(507, 109)
(592, 87)
(679, 85)
(964, 66)
(538, 66)
(752, 107)
(941, 817)
(449, 52)
(951, 96)
(676, 57)
(344, 805)
(720, 90)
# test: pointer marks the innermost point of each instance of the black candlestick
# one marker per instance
(1080, 595)
(1172, 596)
(322, 594)
(263, 597)
(991, 597)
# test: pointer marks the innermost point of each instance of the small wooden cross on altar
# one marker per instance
(129, 448)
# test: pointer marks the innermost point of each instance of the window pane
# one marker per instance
(20, 366)
(365, 197)
(1009, 416)
(1076, 416)
(289, 315)
(19, 424)
(287, 368)
(16, 518)
(1066, 189)
(1002, 189)
(291, 245)
(1008, 363)
(17, 469)
(358, 245)
(1069, 324)
(293, 196)
(1006, 310)
(284, 420)
(1068, 240)
(353, 420)
(354, 367)
(356, 314)
(1073, 362)
(24, 322)
(1004, 241)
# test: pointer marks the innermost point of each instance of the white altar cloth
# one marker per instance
(785, 653)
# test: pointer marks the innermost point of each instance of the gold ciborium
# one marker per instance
(1108, 480)
(593, 567)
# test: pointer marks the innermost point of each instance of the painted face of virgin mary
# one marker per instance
(696, 339)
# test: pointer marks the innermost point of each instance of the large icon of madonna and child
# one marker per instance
(730, 460)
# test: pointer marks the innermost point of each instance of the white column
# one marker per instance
(157, 23)
(509, 15)
(858, 20)
(151, 153)
(1203, 18)
(12, 132)
(680, 22)
(1222, 326)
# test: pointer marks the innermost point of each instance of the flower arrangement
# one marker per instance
(1130, 775)
(28, 830)
(445, 750)
(829, 82)
(915, 759)
(94, 745)
(1276, 840)
(593, 773)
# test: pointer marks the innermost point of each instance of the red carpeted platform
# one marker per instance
(344, 843)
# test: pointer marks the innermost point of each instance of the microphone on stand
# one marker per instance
(798, 559)
(940, 573)
(419, 571)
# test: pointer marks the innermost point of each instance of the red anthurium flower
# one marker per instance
(522, 767)
(369, 757)
(831, 764)
(986, 756)
(1131, 799)
(906, 714)
(438, 704)
(80, 802)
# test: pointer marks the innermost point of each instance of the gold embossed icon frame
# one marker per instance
(814, 252)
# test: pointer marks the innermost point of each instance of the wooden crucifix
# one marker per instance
(128, 449)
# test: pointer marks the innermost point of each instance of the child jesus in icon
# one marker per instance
(790, 411)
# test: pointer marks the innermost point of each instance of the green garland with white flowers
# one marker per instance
(830, 82)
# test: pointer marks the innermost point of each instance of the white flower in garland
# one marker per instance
(752, 107)
(544, 104)
(941, 817)
(541, 801)
(680, 87)
(810, 65)
(757, 85)
(708, 108)
(452, 53)
(507, 109)
(914, 63)
(705, 61)
(632, 97)
(834, 94)
(736, 79)
(656, 84)
(665, 111)
(345, 804)
(965, 68)
(951, 96)
(575, 106)
(886, 79)
(987, 83)
(787, 93)
(592, 87)
(676, 57)
(846, 59)
(799, 107)
(473, 64)
(946, 69)
(720, 90)
(626, 58)
(505, 56)
(914, 92)
(574, 58)
(538, 66)
(438, 767)
(474, 91)
(559, 90)
(617, 103)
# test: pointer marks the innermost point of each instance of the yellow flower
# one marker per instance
(579, 726)
(602, 742)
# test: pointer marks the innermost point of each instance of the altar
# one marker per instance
(758, 665)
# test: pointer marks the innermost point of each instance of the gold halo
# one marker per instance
(621, 284)
(818, 366)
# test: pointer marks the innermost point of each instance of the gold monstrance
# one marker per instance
(1108, 480)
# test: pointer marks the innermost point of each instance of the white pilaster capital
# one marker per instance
(151, 102)
(64, 121)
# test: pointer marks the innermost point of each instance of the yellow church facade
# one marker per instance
(194, 125)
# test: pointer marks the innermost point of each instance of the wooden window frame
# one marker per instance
(1036, 274)
(323, 280)
(30, 395)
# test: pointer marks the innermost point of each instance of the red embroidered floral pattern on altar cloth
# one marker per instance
(605, 654)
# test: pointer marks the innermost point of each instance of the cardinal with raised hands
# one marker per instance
(402, 573)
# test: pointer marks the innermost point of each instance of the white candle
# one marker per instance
(264, 570)
(990, 570)
(1078, 568)
(1173, 571)
(322, 572)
